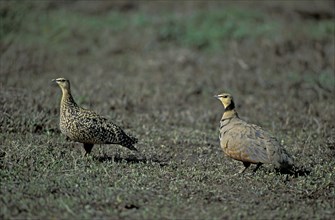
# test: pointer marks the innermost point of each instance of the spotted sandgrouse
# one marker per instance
(87, 127)
(249, 143)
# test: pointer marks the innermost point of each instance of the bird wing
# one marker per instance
(88, 126)
(275, 152)
(105, 132)
(115, 135)
(245, 142)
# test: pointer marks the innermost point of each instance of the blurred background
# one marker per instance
(171, 56)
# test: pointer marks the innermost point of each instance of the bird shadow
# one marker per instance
(131, 159)
(298, 171)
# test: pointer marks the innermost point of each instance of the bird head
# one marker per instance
(63, 83)
(227, 100)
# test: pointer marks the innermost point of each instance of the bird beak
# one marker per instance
(216, 96)
(54, 82)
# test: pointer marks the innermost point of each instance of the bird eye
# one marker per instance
(225, 96)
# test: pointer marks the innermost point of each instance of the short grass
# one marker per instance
(153, 68)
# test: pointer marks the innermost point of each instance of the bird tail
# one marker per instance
(287, 166)
(286, 163)
(134, 139)
(129, 143)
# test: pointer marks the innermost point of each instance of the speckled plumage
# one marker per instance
(87, 127)
(247, 142)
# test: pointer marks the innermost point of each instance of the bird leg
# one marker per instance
(246, 165)
(88, 148)
(258, 166)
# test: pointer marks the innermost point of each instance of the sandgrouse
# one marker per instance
(247, 142)
(87, 127)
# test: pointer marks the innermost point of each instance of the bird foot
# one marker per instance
(241, 171)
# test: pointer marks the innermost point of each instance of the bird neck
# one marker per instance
(229, 114)
(67, 99)
(229, 111)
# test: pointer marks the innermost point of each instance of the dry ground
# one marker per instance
(153, 68)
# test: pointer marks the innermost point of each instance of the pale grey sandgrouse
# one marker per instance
(87, 127)
(249, 143)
